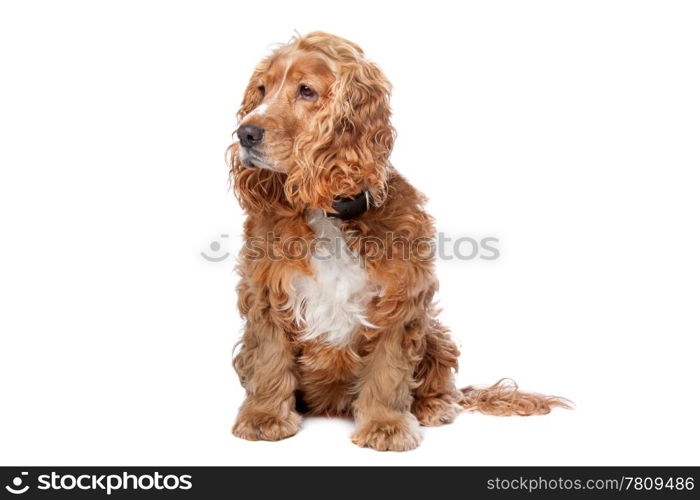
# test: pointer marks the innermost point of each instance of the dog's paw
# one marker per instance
(399, 434)
(255, 427)
(435, 411)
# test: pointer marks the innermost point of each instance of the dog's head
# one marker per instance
(313, 126)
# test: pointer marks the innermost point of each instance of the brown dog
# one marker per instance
(337, 277)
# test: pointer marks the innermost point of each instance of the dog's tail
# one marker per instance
(503, 399)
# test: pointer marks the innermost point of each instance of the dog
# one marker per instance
(335, 325)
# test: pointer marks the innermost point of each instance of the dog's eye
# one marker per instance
(306, 92)
(261, 88)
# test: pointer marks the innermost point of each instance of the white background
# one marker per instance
(569, 130)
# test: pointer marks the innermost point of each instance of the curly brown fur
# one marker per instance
(504, 399)
(325, 112)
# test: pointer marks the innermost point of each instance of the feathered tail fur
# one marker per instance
(504, 399)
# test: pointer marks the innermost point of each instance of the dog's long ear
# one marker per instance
(348, 149)
(257, 189)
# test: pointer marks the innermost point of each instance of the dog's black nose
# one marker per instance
(250, 135)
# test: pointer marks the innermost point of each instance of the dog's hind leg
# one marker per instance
(436, 399)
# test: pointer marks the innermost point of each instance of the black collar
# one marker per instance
(349, 208)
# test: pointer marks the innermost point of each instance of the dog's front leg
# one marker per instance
(382, 409)
(265, 365)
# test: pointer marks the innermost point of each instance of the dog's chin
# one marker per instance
(251, 159)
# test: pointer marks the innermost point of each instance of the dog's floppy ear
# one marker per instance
(252, 97)
(348, 149)
(256, 189)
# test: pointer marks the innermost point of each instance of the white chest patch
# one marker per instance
(332, 303)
